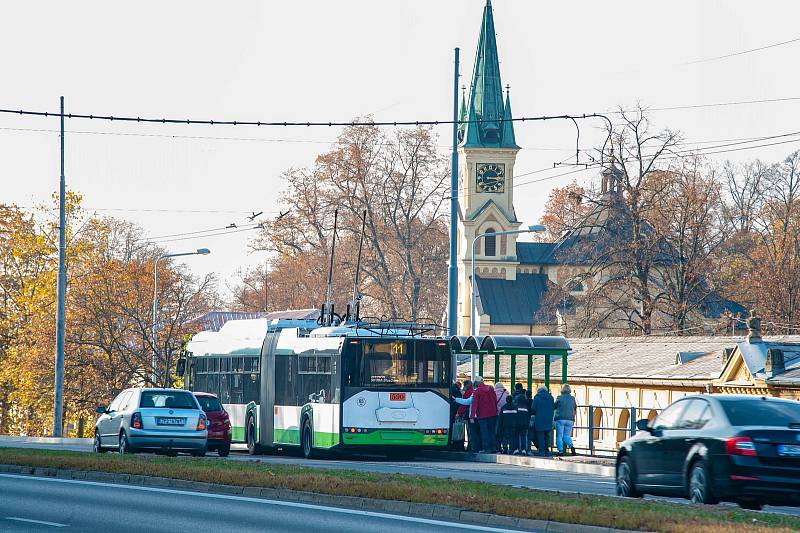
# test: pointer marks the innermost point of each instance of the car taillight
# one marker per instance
(201, 423)
(740, 446)
(136, 421)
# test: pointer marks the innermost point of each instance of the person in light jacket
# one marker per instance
(565, 409)
(500, 393)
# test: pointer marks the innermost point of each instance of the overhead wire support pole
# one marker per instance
(452, 272)
(61, 290)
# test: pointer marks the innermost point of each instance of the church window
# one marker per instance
(490, 243)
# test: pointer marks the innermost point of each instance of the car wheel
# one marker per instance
(626, 485)
(307, 441)
(250, 436)
(224, 450)
(124, 445)
(750, 505)
(199, 453)
(700, 484)
(97, 445)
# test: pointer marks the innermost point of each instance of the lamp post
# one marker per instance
(536, 228)
(199, 251)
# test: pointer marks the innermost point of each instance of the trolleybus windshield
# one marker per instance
(397, 363)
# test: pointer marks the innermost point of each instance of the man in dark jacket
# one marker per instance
(507, 426)
(523, 405)
(542, 409)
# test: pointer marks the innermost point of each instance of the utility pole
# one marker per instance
(452, 272)
(61, 294)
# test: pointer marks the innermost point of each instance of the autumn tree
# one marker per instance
(692, 228)
(565, 210)
(398, 182)
(763, 264)
(108, 314)
(618, 240)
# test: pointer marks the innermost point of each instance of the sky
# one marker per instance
(334, 61)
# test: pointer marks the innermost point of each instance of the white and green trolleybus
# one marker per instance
(373, 387)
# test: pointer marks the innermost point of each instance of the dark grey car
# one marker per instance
(160, 420)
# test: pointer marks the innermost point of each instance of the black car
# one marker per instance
(710, 448)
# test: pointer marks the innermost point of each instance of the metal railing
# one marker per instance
(601, 428)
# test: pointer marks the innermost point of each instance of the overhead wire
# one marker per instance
(190, 235)
(741, 52)
(228, 122)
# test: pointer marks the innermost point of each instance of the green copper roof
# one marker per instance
(488, 127)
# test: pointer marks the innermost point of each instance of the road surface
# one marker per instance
(50, 504)
(498, 474)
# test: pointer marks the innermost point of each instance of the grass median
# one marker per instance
(475, 496)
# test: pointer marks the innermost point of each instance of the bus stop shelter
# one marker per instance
(513, 347)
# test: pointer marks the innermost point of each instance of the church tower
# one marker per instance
(488, 150)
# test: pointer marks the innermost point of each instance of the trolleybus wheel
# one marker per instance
(307, 441)
(250, 435)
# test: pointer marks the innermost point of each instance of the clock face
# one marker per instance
(490, 177)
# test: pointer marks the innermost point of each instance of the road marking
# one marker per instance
(340, 510)
(30, 521)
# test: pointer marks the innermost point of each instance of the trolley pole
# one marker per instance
(452, 272)
(61, 293)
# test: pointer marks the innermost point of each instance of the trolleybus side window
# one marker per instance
(314, 377)
(285, 380)
(227, 378)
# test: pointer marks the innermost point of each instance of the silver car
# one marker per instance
(159, 420)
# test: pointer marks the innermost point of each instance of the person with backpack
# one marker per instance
(507, 426)
(523, 407)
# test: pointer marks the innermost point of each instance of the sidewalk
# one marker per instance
(597, 466)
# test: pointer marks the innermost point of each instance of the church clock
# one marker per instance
(490, 177)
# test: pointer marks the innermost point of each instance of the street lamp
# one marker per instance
(199, 251)
(536, 228)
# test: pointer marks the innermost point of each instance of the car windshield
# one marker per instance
(168, 399)
(761, 412)
(209, 403)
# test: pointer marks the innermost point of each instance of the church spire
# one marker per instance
(462, 117)
(486, 95)
(508, 125)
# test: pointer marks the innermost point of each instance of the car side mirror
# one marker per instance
(101, 409)
(643, 425)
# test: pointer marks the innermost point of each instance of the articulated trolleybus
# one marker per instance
(379, 387)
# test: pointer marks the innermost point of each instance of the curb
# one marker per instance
(539, 463)
(422, 510)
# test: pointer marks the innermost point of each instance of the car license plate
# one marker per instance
(163, 421)
(789, 450)
(397, 396)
